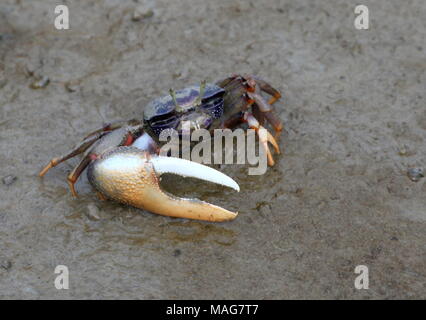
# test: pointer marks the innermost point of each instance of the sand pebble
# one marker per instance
(8, 180)
(415, 174)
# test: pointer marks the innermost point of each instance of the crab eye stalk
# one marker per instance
(173, 95)
(201, 95)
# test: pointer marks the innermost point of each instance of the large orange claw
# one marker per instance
(130, 176)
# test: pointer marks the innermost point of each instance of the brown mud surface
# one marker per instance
(339, 196)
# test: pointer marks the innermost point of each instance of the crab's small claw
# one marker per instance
(131, 176)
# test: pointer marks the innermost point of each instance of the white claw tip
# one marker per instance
(192, 169)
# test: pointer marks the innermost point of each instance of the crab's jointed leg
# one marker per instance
(275, 123)
(111, 126)
(266, 87)
(266, 107)
(264, 140)
(76, 172)
(80, 148)
(93, 145)
(259, 115)
(243, 92)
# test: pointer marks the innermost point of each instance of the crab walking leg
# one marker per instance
(273, 99)
(76, 172)
(266, 87)
(225, 82)
(262, 104)
(263, 138)
(275, 123)
(111, 126)
(232, 121)
(130, 176)
(80, 148)
(266, 108)
(259, 115)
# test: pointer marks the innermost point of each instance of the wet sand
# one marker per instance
(339, 196)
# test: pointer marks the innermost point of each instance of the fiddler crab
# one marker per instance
(123, 161)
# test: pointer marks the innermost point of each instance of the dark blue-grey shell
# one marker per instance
(212, 101)
(162, 113)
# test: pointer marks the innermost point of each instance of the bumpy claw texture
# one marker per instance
(128, 176)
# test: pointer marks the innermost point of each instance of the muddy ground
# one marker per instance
(339, 196)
